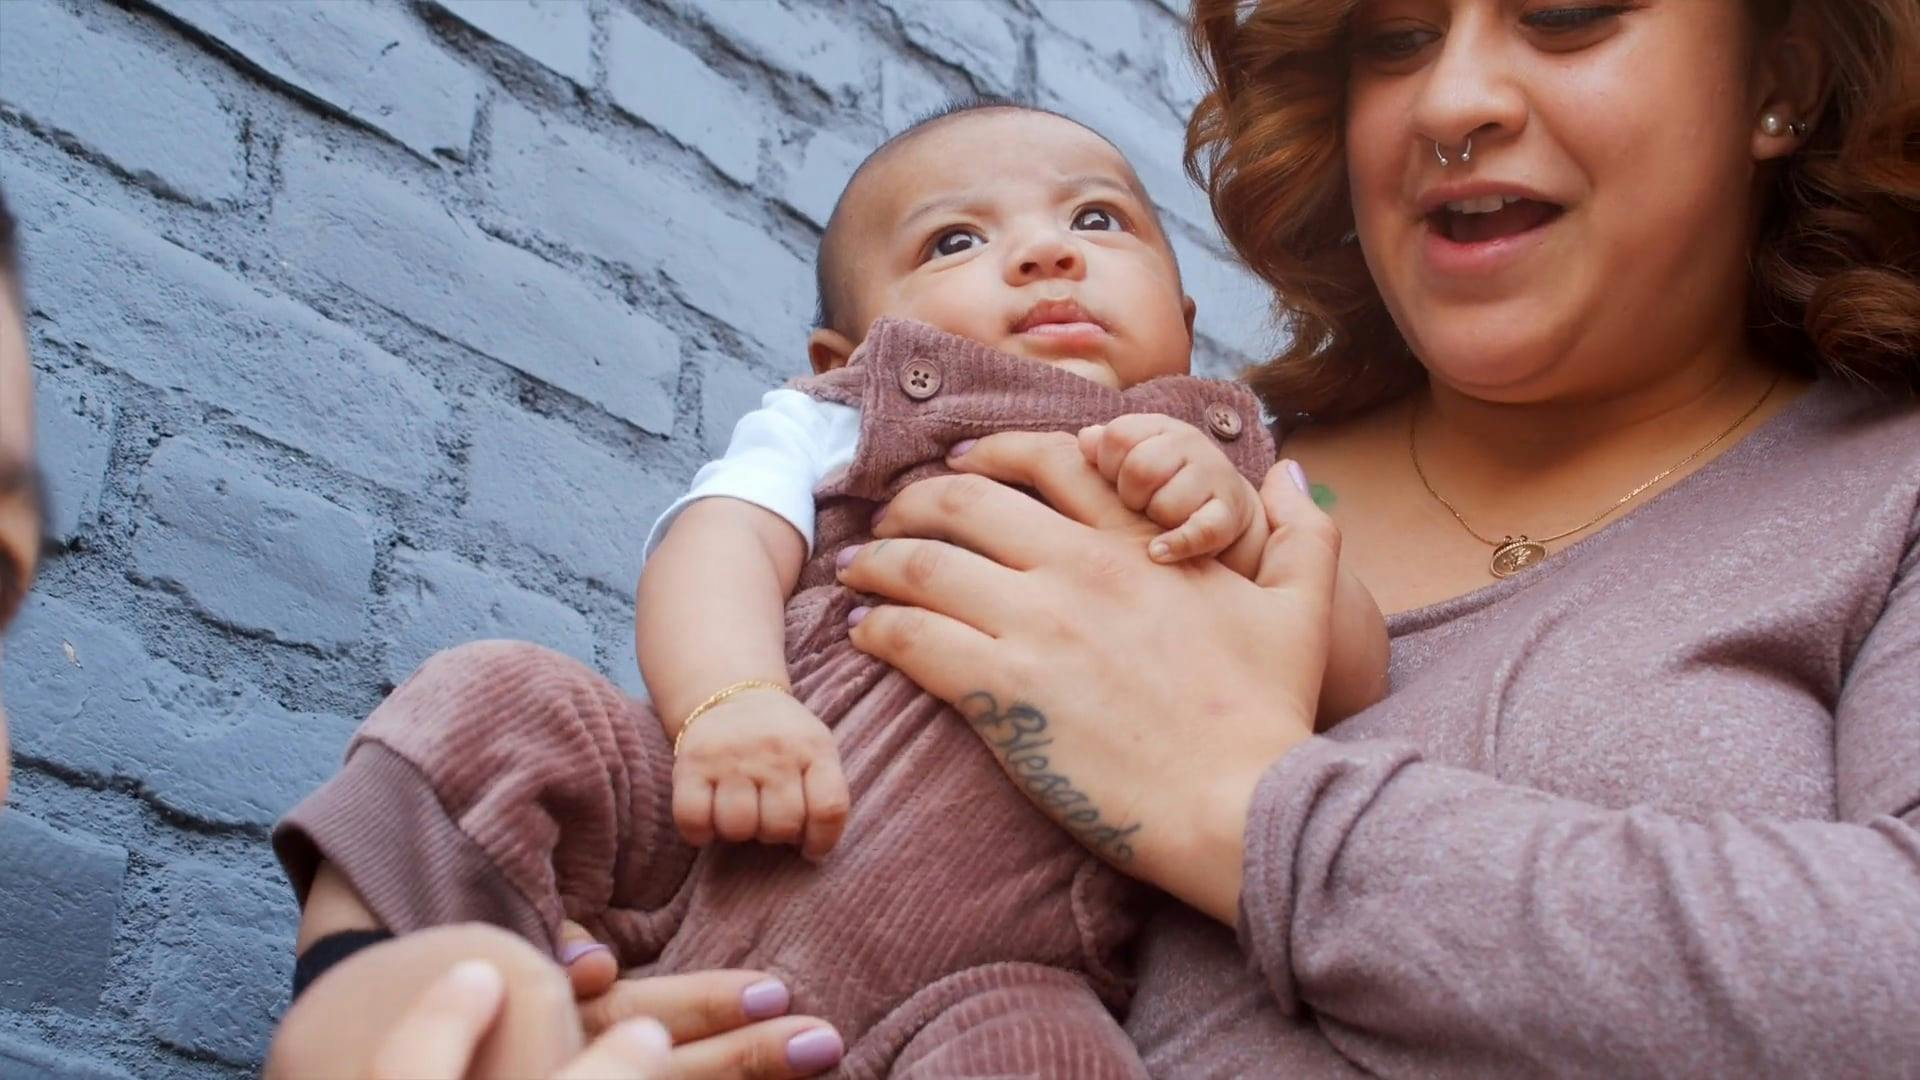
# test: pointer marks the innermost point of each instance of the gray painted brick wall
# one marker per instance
(368, 326)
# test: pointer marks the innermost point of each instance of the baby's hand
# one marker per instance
(760, 767)
(1184, 482)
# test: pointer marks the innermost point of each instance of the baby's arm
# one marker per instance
(1184, 482)
(710, 615)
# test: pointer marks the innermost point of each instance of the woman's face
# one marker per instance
(1614, 143)
(19, 510)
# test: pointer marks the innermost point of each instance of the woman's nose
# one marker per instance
(1474, 88)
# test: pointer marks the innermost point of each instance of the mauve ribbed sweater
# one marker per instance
(1652, 809)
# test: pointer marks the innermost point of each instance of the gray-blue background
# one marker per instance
(363, 328)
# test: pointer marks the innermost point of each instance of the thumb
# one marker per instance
(590, 965)
(1303, 547)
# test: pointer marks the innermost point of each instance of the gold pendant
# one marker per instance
(1514, 554)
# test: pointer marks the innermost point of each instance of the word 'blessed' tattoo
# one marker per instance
(1018, 734)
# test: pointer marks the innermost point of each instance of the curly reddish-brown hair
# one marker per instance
(1836, 264)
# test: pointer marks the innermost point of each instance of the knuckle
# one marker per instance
(900, 632)
(922, 563)
(956, 495)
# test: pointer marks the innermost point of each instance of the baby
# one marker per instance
(995, 268)
(1043, 295)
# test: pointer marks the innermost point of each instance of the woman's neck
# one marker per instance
(1484, 447)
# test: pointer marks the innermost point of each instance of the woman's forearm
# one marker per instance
(711, 605)
(1416, 906)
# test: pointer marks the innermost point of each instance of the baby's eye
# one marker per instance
(1095, 219)
(955, 241)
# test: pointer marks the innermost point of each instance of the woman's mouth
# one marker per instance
(1491, 217)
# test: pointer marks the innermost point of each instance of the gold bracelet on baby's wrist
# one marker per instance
(723, 694)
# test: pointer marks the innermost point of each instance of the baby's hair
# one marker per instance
(829, 302)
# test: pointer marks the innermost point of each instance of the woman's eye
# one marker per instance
(1095, 219)
(955, 241)
(1566, 19)
(1395, 44)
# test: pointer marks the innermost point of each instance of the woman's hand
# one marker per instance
(437, 1037)
(1138, 704)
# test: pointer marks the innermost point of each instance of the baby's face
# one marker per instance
(1024, 232)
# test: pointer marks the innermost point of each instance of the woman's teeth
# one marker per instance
(1485, 205)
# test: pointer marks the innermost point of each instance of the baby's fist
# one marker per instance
(1180, 478)
(760, 767)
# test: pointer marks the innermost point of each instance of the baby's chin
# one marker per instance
(1091, 370)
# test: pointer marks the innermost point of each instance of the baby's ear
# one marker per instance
(828, 349)
(1187, 305)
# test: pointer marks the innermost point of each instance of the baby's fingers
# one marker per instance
(827, 805)
(783, 809)
(693, 807)
(1208, 531)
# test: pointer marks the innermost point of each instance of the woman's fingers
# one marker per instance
(1052, 464)
(1304, 548)
(631, 1050)
(827, 804)
(692, 1006)
(943, 655)
(438, 1034)
(591, 966)
(789, 1047)
(935, 575)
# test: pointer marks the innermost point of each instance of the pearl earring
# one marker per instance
(1773, 125)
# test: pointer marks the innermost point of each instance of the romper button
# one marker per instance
(1224, 422)
(920, 379)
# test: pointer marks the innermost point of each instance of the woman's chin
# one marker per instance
(1490, 369)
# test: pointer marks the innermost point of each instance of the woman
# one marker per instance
(1648, 804)
(19, 480)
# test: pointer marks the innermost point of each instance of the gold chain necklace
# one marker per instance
(1512, 554)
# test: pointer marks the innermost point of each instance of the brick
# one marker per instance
(249, 553)
(557, 34)
(220, 753)
(74, 436)
(812, 184)
(659, 82)
(436, 600)
(221, 961)
(404, 251)
(588, 508)
(1113, 29)
(801, 40)
(373, 63)
(728, 391)
(577, 189)
(907, 93)
(146, 307)
(1074, 83)
(23, 1060)
(1236, 308)
(132, 105)
(971, 35)
(59, 897)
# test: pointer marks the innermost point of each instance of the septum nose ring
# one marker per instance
(1466, 152)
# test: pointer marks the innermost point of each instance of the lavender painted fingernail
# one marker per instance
(765, 999)
(846, 556)
(854, 616)
(579, 949)
(816, 1049)
(878, 513)
(1299, 476)
(961, 447)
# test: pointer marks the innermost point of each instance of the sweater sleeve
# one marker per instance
(1436, 919)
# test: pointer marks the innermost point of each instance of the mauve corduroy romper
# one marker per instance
(954, 931)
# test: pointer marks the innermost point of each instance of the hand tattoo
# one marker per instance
(1017, 735)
